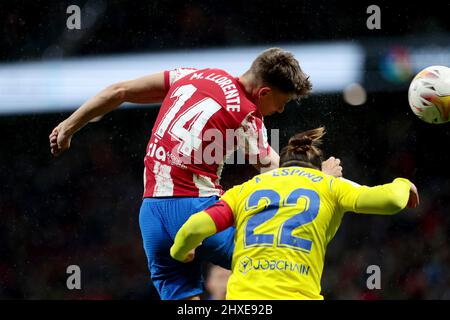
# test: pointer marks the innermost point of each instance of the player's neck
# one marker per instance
(249, 86)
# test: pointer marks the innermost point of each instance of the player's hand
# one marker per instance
(176, 255)
(190, 256)
(413, 200)
(59, 140)
(332, 166)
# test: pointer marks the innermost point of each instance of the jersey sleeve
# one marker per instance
(221, 214)
(389, 198)
(171, 76)
(198, 227)
(252, 138)
(346, 193)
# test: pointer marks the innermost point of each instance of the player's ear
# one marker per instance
(264, 91)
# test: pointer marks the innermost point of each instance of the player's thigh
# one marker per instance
(154, 234)
(159, 221)
(175, 280)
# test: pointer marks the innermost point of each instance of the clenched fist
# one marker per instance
(59, 140)
(332, 166)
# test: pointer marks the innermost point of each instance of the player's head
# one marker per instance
(302, 150)
(277, 78)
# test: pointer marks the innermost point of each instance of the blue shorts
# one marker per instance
(160, 219)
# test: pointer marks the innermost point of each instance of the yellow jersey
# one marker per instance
(284, 221)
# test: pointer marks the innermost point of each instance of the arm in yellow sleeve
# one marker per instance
(198, 227)
(389, 198)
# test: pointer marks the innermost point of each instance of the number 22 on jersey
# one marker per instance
(284, 231)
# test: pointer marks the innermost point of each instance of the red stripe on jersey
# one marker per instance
(166, 80)
(221, 214)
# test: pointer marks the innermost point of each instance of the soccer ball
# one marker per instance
(429, 94)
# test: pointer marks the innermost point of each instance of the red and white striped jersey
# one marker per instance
(205, 116)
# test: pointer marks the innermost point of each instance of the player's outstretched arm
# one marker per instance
(198, 227)
(148, 89)
(389, 198)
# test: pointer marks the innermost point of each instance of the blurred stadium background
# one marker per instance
(82, 208)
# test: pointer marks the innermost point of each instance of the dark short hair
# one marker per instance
(279, 68)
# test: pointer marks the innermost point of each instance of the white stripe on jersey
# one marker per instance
(346, 181)
(351, 182)
(179, 73)
(163, 180)
(206, 187)
(145, 177)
